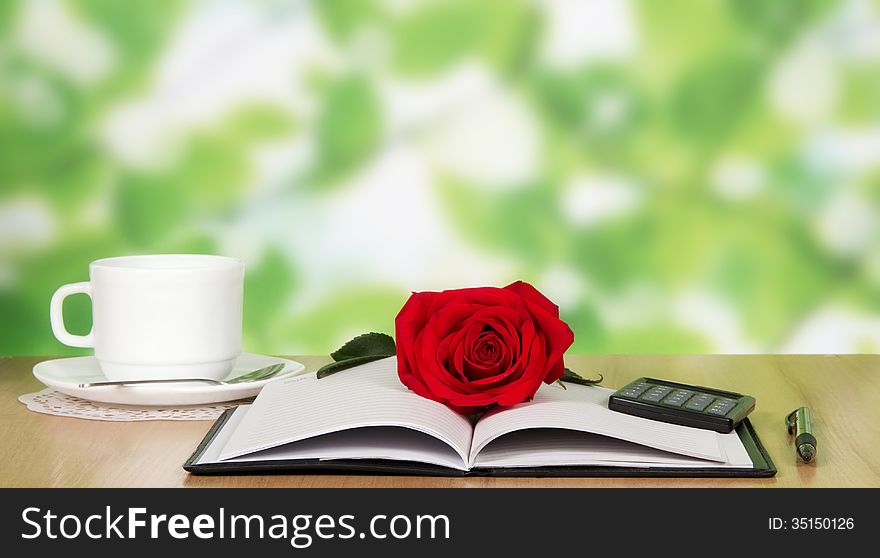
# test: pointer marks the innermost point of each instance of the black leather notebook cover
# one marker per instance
(763, 465)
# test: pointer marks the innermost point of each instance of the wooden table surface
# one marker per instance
(842, 391)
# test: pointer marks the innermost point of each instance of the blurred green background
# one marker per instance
(680, 176)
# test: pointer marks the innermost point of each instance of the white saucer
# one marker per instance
(65, 375)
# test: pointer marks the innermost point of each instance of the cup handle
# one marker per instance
(56, 315)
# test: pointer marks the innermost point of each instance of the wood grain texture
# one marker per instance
(842, 391)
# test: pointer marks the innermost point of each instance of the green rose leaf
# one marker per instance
(575, 378)
(360, 350)
(341, 365)
(368, 344)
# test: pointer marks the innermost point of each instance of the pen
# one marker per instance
(800, 424)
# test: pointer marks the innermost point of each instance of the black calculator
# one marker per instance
(695, 406)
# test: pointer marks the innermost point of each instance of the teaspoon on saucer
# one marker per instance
(260, 374)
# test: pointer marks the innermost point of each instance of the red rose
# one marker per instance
(471, 348)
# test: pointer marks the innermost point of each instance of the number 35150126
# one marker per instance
(811, 523)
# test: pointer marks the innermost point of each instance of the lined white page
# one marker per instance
(398, 444)
(558, 448)
(585, 408)
(390, 443)
(293, 409)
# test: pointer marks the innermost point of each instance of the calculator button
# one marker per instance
(721, 407)
(699, 402)
(656, 393)
(635, 390)
(673, 401)
(678, 397)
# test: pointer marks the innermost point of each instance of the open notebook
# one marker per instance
(365, 420)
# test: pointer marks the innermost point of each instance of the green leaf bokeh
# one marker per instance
(679, 176)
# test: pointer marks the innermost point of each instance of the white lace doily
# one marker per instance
(53, 402)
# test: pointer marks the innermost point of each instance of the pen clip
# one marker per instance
(791, 422)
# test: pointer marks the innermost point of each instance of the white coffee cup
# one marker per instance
(161, 316)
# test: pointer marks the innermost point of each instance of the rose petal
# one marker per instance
(530, 293)
(558, 337)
